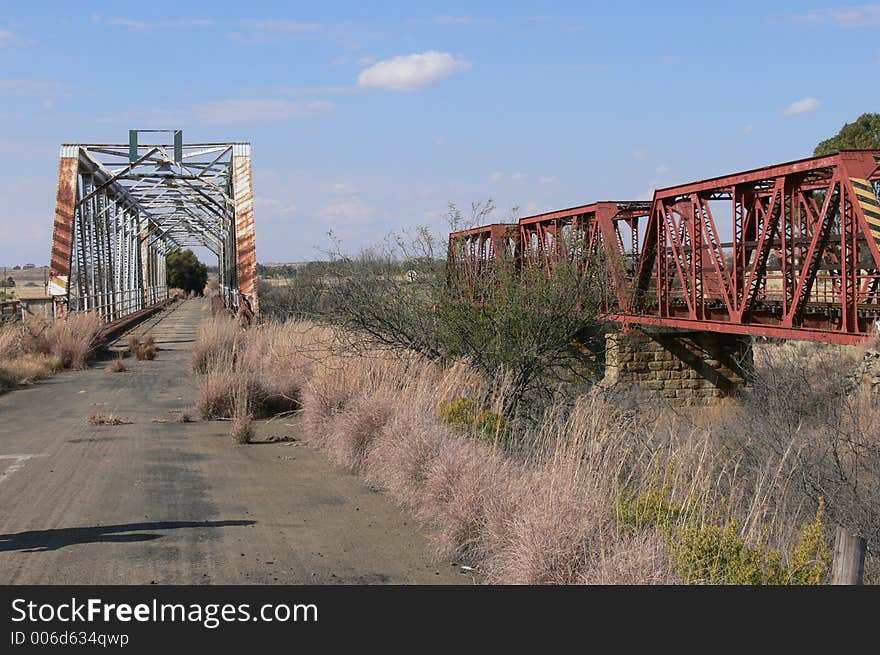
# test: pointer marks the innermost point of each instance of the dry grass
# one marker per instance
(543, 508)
(185, 417)
(142, 347)
(216, 394)
(10, 342)
(216, 337)
(268, 366)
(33, 350)
(73, 339)
(99, 418)
(118, 365)
(26, 368)
(242, 430)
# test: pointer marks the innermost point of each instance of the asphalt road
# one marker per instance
(158, 501)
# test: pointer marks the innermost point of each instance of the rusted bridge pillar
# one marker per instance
(62, 236)
(245, 243)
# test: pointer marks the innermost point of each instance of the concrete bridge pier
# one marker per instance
(685, 368)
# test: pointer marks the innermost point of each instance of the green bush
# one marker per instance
(468, 415)
(810, 561)
(649, 509)
(705, 553)
(715, 554)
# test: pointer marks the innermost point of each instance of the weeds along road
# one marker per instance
(181, 503)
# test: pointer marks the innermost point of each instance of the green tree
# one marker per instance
(186, 272)
(863, 134)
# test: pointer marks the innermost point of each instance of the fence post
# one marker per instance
(848, 566)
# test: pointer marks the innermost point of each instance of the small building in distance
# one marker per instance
(34, 301)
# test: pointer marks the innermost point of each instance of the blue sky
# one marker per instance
(368, 117)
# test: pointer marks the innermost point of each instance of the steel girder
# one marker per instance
(471, 253)
(790, 251)
(122, 208)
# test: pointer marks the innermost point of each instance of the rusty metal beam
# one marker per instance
(804, 262)
(62, 233)
(245, 241)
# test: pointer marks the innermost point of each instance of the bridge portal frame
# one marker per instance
(121, 209)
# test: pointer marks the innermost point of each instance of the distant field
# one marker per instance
(30, 277)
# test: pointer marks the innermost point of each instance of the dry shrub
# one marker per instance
(73, 339)
(323, 399)
(631, 560)
(469, 497)
(118, 366)
(549, 538)
(142, 347)
(242, 429)
(26, 368)
(99, 418)
(217, 336)
(217, 391)
(185, 417)
(399, 457)
(354, 430)
(10, 341)
(147, 352)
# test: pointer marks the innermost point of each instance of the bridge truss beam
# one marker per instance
(790, 251)
(121, 209)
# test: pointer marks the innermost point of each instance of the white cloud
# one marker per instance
(548, 179)
(127, 22)
(662, 169)
(26, 87)
(860, 16)
(317, 90)
(274, 25)
(257, 110)
(121, 21)
(273, 204)
(453, 20)
(518, 177)
(348, 209)
(7, 37)
(497, 176)
(346, 59)
(802, 106)
(411, 72)
(342, 189)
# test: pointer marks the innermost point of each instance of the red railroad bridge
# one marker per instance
(789, 251)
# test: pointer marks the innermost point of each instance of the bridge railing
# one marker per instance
(115, 305)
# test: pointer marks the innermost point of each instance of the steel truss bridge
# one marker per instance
(789, 251)
(121, 209)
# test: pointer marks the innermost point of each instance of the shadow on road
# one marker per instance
(41, 541)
